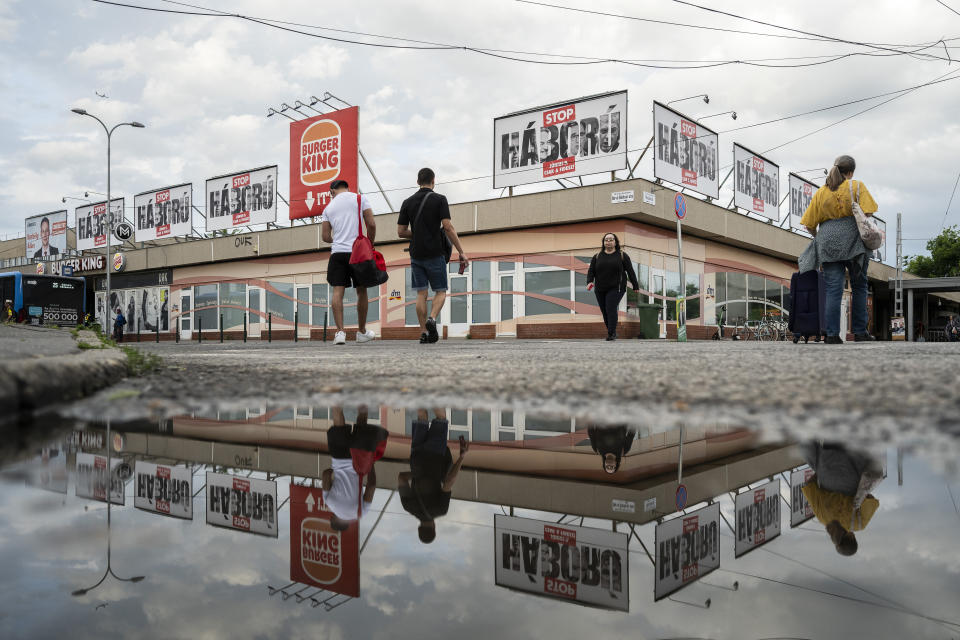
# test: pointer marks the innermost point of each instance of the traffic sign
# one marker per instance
(123, 231)
(681, 497)
(66, 270)
(680, 205)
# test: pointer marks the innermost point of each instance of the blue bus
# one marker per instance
(44, 299)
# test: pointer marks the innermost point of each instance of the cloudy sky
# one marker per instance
(203, 84)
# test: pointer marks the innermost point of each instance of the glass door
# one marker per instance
(254, 305)
(303, 311)
(186, 315)
(457, 308)
(508, 302)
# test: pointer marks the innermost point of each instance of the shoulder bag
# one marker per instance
(367, 266)
(869, 231)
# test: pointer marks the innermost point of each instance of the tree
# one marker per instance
(944, 258)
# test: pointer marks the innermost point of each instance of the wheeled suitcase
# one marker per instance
(808, 300)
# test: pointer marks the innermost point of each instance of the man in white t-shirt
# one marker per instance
(340, 228)
(353, 451)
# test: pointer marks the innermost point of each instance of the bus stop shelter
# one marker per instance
(924, 287)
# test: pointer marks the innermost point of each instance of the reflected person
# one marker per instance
(611, 442)
(353, 451)
(839, 491)
(425, 489)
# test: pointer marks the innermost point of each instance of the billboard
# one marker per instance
(242, 504)
(801, 193)
(92, 478)
(163, 213)
(880, 253)
(800, 510)
(92, 224)
(687, 548)
(163, 489)
(320, 555)
(322, 149)
(576, 564)
(756, 186)
(757, 515)
(562, 140)
(48, 471)
(241, 199)
(46, 235)
(687, 153)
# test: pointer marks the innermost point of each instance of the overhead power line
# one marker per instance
(949, 7)
(950, 202)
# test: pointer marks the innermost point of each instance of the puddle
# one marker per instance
(362, 521)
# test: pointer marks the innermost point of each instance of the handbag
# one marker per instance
(367, 266)
(869, 232)
(445, 243)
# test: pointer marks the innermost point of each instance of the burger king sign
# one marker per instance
(319, 554)
(322, 149)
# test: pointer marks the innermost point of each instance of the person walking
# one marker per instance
(118, 323)
(8, 315)
(340, 227)
(837, 247)
(607, 278)
(354, 450)
(425, 219)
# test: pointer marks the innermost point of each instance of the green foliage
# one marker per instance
(944, 258)
(139, 363)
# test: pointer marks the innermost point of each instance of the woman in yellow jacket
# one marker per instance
(837, 247)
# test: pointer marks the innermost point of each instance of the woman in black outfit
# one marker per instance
(607, 278)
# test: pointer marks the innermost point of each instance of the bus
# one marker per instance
(44, 300)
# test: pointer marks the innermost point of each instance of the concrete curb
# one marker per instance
(32, 384)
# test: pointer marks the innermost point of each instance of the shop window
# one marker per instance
(530, 264)
(555, 284)
(458, 303)
(480, 281)
(350, 306)
(737, 291)
(481, 425)
(505, 266)
(410, 299)
(774, 292)
(581, 294)
(541, 423)
(693, 295)
(205, 295)
(280, 300)
(721, 292)
(233, 298)
(672, 292)
(319, 297)
(643, 277)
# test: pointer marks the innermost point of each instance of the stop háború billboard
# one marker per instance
(687, 548)
(562, 140)
(687, 153)
(322, 149)
(163, 213)
(242, 504)
(756, 183)
(757, 515)
(46, 235)
(801, 193)
(241, 199)
(92, 224)
(163, 489)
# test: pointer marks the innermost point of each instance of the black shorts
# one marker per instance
(339, 273)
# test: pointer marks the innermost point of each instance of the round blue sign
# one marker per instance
(681, 497)
(680, 205)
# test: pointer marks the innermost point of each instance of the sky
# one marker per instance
(202, 85)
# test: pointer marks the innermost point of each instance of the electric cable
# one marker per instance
(949, 7)
(950, 202)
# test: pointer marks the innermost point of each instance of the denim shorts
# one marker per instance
(431, 270)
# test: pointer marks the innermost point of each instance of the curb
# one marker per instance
(32, 384)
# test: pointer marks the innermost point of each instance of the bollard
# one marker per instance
(295, 322)
(270, 327)
(158, 330)
(221, 328)
(199, 330)
(244, 328)
(138, 329)
(177, 329)
(324, 326)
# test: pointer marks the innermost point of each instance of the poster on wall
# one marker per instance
(757, 516)
(242, 199)
(687, 549)
(800, 509)
(320, 555)
(880, 253)
(242, 504)
(577, 564)
(686, 153)
(163, 489)
(801, 193)
(323, 148)
(46, 235)
(756, 183)
(562, 140)
(92, 224)
(92, 478)
(163, 213)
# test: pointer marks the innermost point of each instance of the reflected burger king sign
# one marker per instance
(319, 555)
(322, 149)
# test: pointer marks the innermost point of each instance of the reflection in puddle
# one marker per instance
(401, 509)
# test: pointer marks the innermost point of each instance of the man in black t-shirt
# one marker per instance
(425, 489)
(424, 216)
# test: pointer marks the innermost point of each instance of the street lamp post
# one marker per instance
(109, 263)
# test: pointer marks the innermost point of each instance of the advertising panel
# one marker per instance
(757, 513)
(241, 199)
(320, 555)
(163, 213)
(92, 478)
(46, 235)
(48, 471)
(577, 564)
(880, 253)
(687, 548)
(562, 140)
(687, 153)
(242, 504)
(800, 510)
(757, 183)
(322, 149)
(163, 489)
(92, 224)
(52, 300)
(801, 193)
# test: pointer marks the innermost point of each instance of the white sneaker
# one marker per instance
(340, 338)
(367, 336)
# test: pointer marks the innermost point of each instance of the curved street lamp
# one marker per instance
(109, 263)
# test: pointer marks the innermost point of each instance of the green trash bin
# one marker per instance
(649, 316)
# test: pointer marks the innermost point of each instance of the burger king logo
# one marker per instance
(320, 550)
(119, 262)
(320, 152)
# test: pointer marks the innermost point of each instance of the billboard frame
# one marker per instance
(136, 228)
(778, 219)
(230, 174)
(66, 222)
(802, 179)
(653, 115)
(738, 554)
(656, 568)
